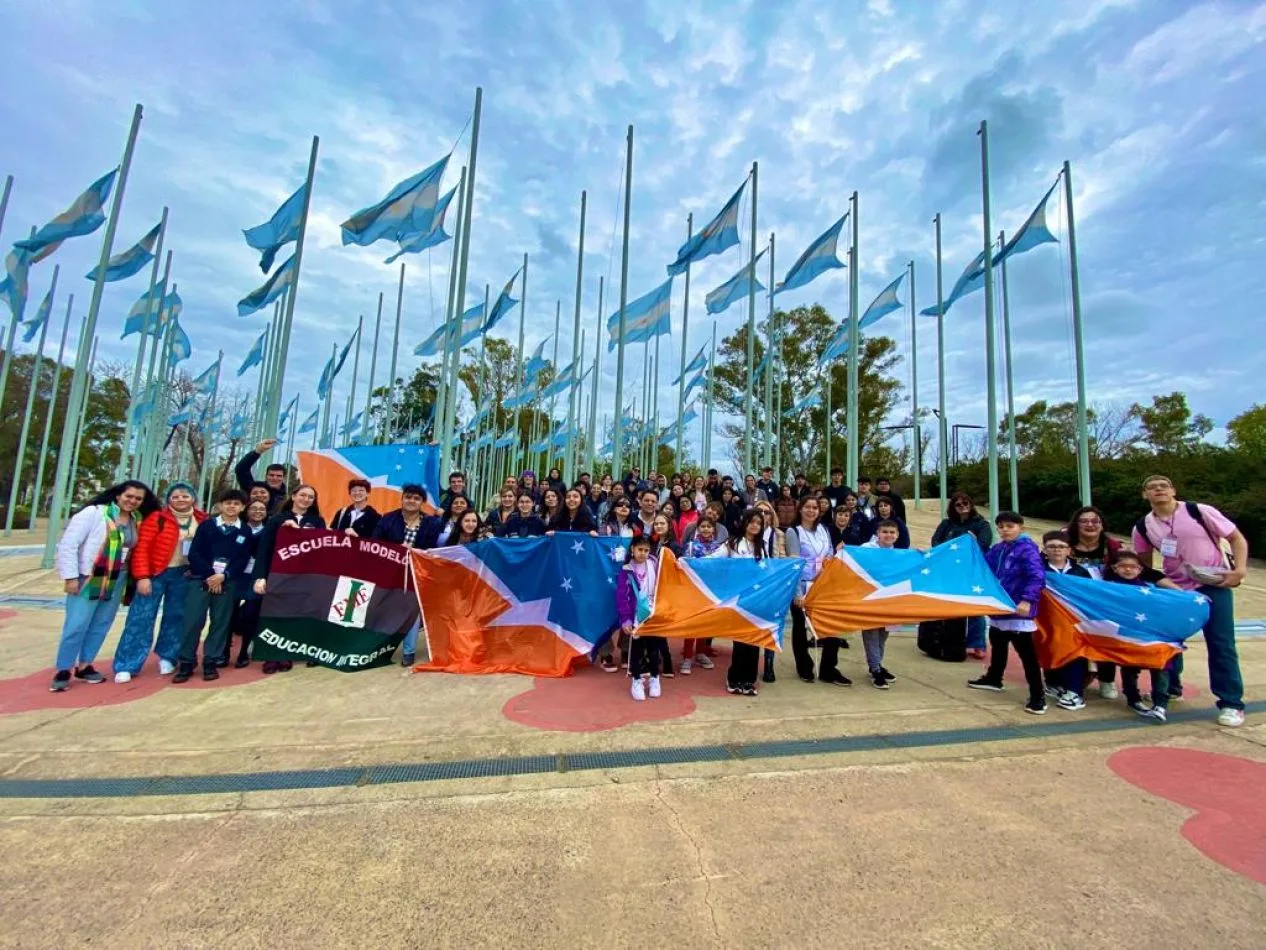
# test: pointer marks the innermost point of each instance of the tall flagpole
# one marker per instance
(748, 455)
(852, 431)
(373, 370)
(463, 262)
(769, 363)
(617, 437)
(78, 399)
(351, 402)
(991, 368)
(156, 334)
(685, 342)
(4, 198)
(522, 377)
(443, 414)
(593, 395)
(942, 425)
(553, 403)
(914, 388)
(26, 416)
(49, 411)
(1083, 429)
(389, 431)
(830, 385)
(153, 431)
(712, 368)
(569, 470)
(329, 399)
(121, 469)
(1013, 474)
(269, 346)
(68, 495)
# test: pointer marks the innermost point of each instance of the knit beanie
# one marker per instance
(180, 486)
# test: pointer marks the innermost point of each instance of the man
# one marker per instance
(836, 491)
(712, 485)
(631, 479)
(586, 480)
(274, 475)
(660, 484)
(799, 486)
(259, 492)
(456, 486)
(1188, 537)
(884, 487)
(751, 494)
(404, 526)
(767, 484)
(865, 498)
(647, 508)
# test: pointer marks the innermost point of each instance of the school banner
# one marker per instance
(342, 601)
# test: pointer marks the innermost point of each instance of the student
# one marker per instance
(699, 493)
(716, 511)
(1017, 563)
(246, 613)
(619, 521)
(573, 516)
(404, 526)
(301, 510)
(596, 500)
(500, 515)
(1091, 547)
(686, 518)
(962, 520)
(92, 558)
(1188, 537)
(436, 530)
(456, 486)
(733, 507)
(886, 511)
(158, 568)
(551, 504)
(635, 586)
(1128, 569)
(884, 487)
(274, 475)
(702, 544)
(865, 500)
(662, 536)
(751, 493)
(812, 541)
(836, 490)
(874, 640)
(767, 484)
(360, 518)
(467, 530)
(785, 507)
(799, 486)
(527, 483)
(217, 561)
(554, 480)
(1067, 684)
(523, 523)
(740, 680)
(848, 525)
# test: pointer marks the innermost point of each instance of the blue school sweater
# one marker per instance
(213, 542)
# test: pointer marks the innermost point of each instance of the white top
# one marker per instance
(742, 549)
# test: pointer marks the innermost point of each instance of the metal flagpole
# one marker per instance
(68, 495)
(155, 335)
(830, 384)
(389, 429)
(751, 330)
(65, 474)
(154, 448)
(593, 395)
(26, 417)
(351, 399)
(653, 450)
(685, 342)
(269, 345)
(480, 403)
(49, 411)
(373, 371)
(854, 356)
(942, 427)
(521, 376)
(4, 199)
(914, 396)
(134, 392)
(463, 262)
(712, 368)
(570, 471)
(617, 436)
(443, 412)
(769, 363)
(553, 403)
(991, 368)
(1012, 464)
(1083, 429)
(329, 398)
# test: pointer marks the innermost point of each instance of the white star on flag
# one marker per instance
(566, 584)
(618, 553)
(977, 589)
(925, 571)
(1145, 591)
(954, 546)
(578, 547)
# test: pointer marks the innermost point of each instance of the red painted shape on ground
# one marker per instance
(1225, 791)
(29, 693)
(594, 700)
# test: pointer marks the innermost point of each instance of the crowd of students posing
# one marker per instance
(210, 573)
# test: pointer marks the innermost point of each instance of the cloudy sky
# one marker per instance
(1155, 103)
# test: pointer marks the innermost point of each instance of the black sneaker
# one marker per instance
(809, 678)
(243, 661)
(878, 680)
(748, 689)
(887, 675)
(1036, 707)
(61, 682)
(184, 673)
(735, 690)
(88, 675)
(985, 683)
(408, 659)
(835, 679)
(843, 643)
(1138, 706)
(210, 671)
(608, 664)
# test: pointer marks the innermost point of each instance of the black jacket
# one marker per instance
(266, 540)
(516, 526)
(583, 521)
(211, 542)
(898, 504)
(1074, 569)
(365, 524)
(855, 533)
(246, 479)
(976, 526)
(391, 528)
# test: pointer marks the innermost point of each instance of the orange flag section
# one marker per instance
(330, 477)
(685, 608)
(1059, 641)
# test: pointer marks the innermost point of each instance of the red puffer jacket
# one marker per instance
(156, 541)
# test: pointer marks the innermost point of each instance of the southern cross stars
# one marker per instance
(977, 589)
(925, 571)
(1140, 617)
(578, 547)
(566, 584)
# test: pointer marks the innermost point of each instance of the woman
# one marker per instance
(849, 525)
(774, 538)
(499, 515)
(551, 504)
(527, 483)
(606, 482)
(686, 518)
(699, 492)
(662, 536)
(92, 558)
(619, 523)
(676, 493)
(246, 616)
(670, 509)
(523, 523)
(467, 529)
(785, 506)
(963, 520)
(554, 480)
(733, 507)
(597, 503)
(436, 531)
(1095, 551)
(404, 526)
(886, 511)
(811, 541)
(740, 679)
(300, 510)
(360, 518)
(158, 567)
(573, 516)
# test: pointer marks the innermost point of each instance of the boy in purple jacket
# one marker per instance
(1017, 563)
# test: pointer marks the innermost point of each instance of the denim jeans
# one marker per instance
(138, 630)
(410, 644)
(873, 641)
(1219, 640)
(85, 627)
(976, 637)
(1130, 686)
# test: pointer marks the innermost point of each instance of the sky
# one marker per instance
(1155, 104)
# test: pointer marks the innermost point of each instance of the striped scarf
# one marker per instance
(109, 564)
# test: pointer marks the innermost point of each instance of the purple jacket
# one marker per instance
(1020, 570)
(626, 596)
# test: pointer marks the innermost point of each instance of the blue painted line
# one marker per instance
(22, 550)
(563, 762)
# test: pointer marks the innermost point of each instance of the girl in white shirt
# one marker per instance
(740, 680)
(810, 540)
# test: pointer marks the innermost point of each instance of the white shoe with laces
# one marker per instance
(686, 667)
(123, 676)
(1231, 717)
(654, 690)
(1109, 690)
(638, 690)
(166, 667)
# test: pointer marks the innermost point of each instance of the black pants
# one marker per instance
(999, 641)
(645, 654)
(247, 622)
(830, 646)
(1160, 685)
(744, 665)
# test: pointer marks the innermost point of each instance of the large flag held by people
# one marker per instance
(862, 588)
(732, 598)
(719, 234)
(85, 214)
(409, 208)
(279, 230)
(1115, 623)
(343, 601)
(387, 468)
(532, 605)
(818, 258)
(126, 263)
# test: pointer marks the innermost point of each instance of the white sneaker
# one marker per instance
(654, 692)
(1109, 690)
(1071, 701)
(685, 668)
(637, 690)
(123, 676)
(704, 661)
(1231, 717)
(1156, 712)
(1054, 692)
(166, 668)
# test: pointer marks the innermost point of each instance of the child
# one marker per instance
(702, 544)
(221, 548)
(1128, 569)
(1066, 685)
(1017, 563)
(639, 577)
(887, 534)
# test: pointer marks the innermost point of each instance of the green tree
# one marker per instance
(1247, 431)
(413, 400)
(1168, 425)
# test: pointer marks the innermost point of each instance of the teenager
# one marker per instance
(596, 501)
(836, 490)
(865, 499)
(527, 485)
(810, 540)
(524, 523)
(573, 516)
(404, 526)
(734, 508)
(740, 679)
(884, 487)
(467, 530)
(962, 520)
(554, 480)
(766, 483)
(1066, 684)
(662, 536)
(360, 518)
(885, 511)
(619, 521)
(551, 503)
(301, 510)
(502, 513)
(456, 486)
(436, 530)
(785, 506)
(875, 640)
(158, 568)
(91, 560)
(848, 526)
(246, 613)
(274, 474)
(686, 518)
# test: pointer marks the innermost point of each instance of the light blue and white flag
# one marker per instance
(1032, 233)
(432, 345)
(310, 423)
(208, 381)
(238, 427)
(535, 364)
(818, 258)
(719, 234)
(507, 441)
(259, 298)
(285, 415)
(408, 209)
(695, 381)
(181, 348)
(882, 305)
(760, 367)
(645, 317)
(736, 288)
(334, 367)
(838, 345)
(810, 401)
(85, 214)
(971, 280)
(181, 416)
(472, 324)
(484, 441)
(279, 230)
(503, 304)
(15, 286)
(144, 406)
(420, 241)
(131, 261)
(41, 317)
(256, 354)
(353, 424)
(698, 363)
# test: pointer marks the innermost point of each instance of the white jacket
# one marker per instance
(82, 541)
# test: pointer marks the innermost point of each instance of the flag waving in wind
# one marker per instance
(85, 214)
(503, 304)
(408, 209)
(333, 367)
(1032, 233)
(15, 286)
(719, 234)
(698, 363)
(736, 288)
(310, 423)
(421, 240)
(883, 304)
(209, 380)
(129, 262)
(181, 348)
(810, 401)
(255, 356)
(535, 364)
(270, 290)
(645, 317)
(818, 258)
(41, 317)
(279, 230)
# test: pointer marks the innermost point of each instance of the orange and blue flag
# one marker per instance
(738, 599)
(387, 468)
(1115, 623)
(517, 605)
(862, 588)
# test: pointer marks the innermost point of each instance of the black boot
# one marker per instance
(184, 672)
(210, 670)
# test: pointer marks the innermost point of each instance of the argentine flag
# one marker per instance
(535, 364)
(882, 305)
(255, 357)
(279, 230)
(409, 208)
(504, 303)
(310, 423)
(818, 258)
(421, 240)
(15, 286)
(1032, 233)
(41, 317)
(208, 381)
(85, 214)
(259, 298)
(645, 317)
(719, 234)
(698, 363)
(129, 262)
(181, 348)
(736, 288)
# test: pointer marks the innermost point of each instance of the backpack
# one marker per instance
(944, 639)
(1193, 510)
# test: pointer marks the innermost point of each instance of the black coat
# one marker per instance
(246, 479)
(391, 528)
(516, 526)
(365, 524)
(583, 521)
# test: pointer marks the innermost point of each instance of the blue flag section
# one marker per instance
(696, 364)
(969, 281)
(85, 214)
(310, 423)
(255, 357)
(421, 240)
(334, 367)
(15, 286)
(810, 401)
(41, 317)
(472, 325)
(181, 348)
(883, 304)
(818, 258)
(644, 318)
(408, 209)
(719, 234)
(131, 261)
(737, 288)
(270, 290)
(279, 230)
(432, 345)
(535, 364)
(503, 304)
(1032, 233)
(208, 380)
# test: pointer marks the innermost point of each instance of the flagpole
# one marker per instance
(373, 368)
(780, 382)
(4, 199)
(477, 454)
(329, 398)
(263, 370)
(77, 397)
(26, 417)
(707, 428)
(854, 344)
(769, 362)
(1012, 464)
(751, 329)
(593, 394)
(49, 412)
(570, 471)
(653, 450)
(389, 433)
(156, 334)
(148, 469)
(360, 326)
(942, 426)
(208, 436)
(460, 300)
(830, 383)
(553, 402)
(442, 413)
(991, 368)
(685, 342)
(1083, 429)
(914, 396)
(6, 360)
(68, 496)
(521, 377)
(617, 435)
(293, 422)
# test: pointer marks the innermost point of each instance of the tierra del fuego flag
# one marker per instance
(345, 602)
(386, 467)
(862, 588)
(1115, 623)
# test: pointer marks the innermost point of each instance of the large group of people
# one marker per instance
(209, 573)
